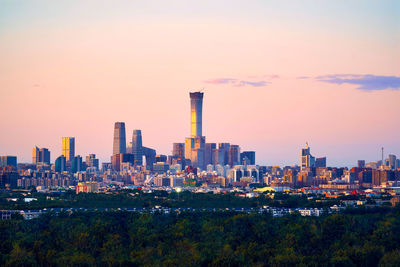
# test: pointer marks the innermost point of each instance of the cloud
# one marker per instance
(366, 82)
(221, 81)
(255, 84)
(254, 81)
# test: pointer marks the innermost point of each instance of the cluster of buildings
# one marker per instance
(193, 162)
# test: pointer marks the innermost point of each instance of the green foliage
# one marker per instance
(206, 239)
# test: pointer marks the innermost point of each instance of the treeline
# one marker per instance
(201, 239)
(136, 198)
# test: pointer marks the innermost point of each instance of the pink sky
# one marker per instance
(77, 79)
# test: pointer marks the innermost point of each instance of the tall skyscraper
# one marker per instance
(92, 162)
(119, 145)
(306, 160)
(68, 148)
(40, 155)
(392, 161)
(196, 114)
(76, 164)
(208, 154)
(137, 147)
(195, 144)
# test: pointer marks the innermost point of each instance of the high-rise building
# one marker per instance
(218, 157)
(119, 145)
(234, 155)
(40, 155)
(60, 164)
(361, 163)
(118, 159)
(150, 156)
(306, 160)
(196, 114)
(225, 148)
(178, 149)
(68, 148)
(137, 147)
(92, 162)
(208, 154)
(392, 161)
(8, 161)
(248, 157)
(195, 144)
(161, 158)
(76, 164)
(320, 162)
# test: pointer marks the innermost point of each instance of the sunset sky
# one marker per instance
(275, 75)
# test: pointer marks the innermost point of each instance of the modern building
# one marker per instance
(320, 162)
(76, 164)
(92, 162)
(392, 161)
(137, 147)
(68, 148)
(306, 160)
(150, 156)
(40, 155)
(225, 148)
(234, 155)
(119, 145)
(195, 144)
(208, 153)
(8, 161)
(178, 149)
(248, 158)
(118, 159)
(60, 164)
(361, 163)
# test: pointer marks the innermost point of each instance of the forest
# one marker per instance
(202, 239)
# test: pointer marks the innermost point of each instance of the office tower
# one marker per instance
(196, 113)
(92, 162)
(218, 157)
(76, 164)
(397, 164)
(208, 153)
(195, 144)
(392, 161)
(118, 159)
(178, 149)
(307, 160)
(119, 145)
(361, 163)
(60, 164)
(68, 148)
(248, 157)
(320, 162)
(8, 161)
(129, 148)
(234, 155)
(40, 155)
(150, 156)
(137, 148)
(225, 148)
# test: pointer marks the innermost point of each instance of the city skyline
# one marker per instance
(271, 83)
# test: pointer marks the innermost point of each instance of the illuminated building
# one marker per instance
(68, 148)
(40, 155)
(119, 145)
(137, 147)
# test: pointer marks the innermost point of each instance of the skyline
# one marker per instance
(271, 83)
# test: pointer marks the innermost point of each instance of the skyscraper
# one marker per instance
(196, 113)
(119, 145)
(307, 160)
(60, 164)
(195, 144)
(248, 157)
(234, 155)
(92, 162)
(40, 155)
(137, 147)
(68, 148)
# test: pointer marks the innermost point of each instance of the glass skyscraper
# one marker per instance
(137, 147)
(119, 145)
(68, 148)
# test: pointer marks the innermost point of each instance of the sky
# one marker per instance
(275, 74)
